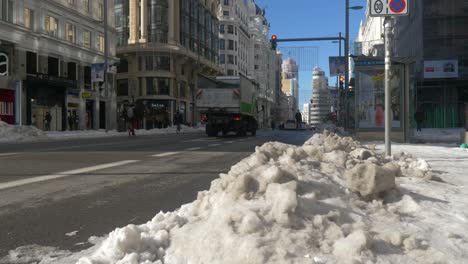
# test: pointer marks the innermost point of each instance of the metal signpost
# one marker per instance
(388, 9)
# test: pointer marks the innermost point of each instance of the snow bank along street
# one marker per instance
(11, 133)
(331, 200)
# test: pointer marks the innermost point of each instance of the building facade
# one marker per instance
(434, 35)
(163, 47)
(47, 49)
(321, 98)
(306, 114)
(290, 85)
(235, 45)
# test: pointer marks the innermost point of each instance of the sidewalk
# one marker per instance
(11, 133)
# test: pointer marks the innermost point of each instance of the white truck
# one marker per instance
(228, 104)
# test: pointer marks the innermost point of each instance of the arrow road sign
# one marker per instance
(381, 8)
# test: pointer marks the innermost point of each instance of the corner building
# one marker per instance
(46, 52)
(163, 47)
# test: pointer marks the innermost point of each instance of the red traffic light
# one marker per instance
(274, 37)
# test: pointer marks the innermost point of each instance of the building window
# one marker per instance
(226, 13)
(28, 18)
(87, 39)
(222, 44)
(231, 59)
(163, 63)
(230, 72)
(87, 77)
(230, 29)
(122, 66)
(157, 86)
(222, 59)
(256, 67)
(100, 43)
(100, 11)
(86, 5)
(31, 62)
(70, 32)
(149, 63)
(221, 29)
(226, 2)
(122, 87)
(231, 44)
(53, 66)
(6, 10)
(51, 26)
(71, 70)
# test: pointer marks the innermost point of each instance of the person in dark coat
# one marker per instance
(298, 119)
(178, 119)
(47, 120)
(71, 122)
(419, 117)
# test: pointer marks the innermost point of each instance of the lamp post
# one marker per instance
(347, 59)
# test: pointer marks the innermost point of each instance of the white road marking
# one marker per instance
(17, 183)
(73, 233)
(192, 149)
(165, 154)
(214, 145)
(7, 154)
(229, 142)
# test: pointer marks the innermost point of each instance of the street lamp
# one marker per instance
(347, 58)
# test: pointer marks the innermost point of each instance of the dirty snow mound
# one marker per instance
(10, 133)
(284, 204)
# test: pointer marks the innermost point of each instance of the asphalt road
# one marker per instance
(92, 186)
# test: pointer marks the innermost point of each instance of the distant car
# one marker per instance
(290, 124)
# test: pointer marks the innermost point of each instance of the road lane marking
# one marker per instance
(63, 174)
(214, 145)
(192, 149)
(7, 154)
(229, 142)
(165, 154)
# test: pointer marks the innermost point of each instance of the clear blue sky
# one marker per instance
(312, 18)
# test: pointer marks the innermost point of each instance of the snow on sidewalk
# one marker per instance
(290, 204)
(11, 133)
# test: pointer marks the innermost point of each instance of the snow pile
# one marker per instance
(439, 135)
(12, 133)
(332, 127)
(286, 204)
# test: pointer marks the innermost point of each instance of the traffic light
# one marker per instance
(341, 82)
(273, 42)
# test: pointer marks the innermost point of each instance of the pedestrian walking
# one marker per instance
(419, 117)
(131, 120)
(33, 120)
(298, 119)
(47, 121)
(71, 123)
(178, 119)
(76, 119)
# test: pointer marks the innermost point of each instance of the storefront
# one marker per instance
(46, 94)
(7, 106)
(157, 113)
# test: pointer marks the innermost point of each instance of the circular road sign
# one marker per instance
(397, 6)
(378, 6)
